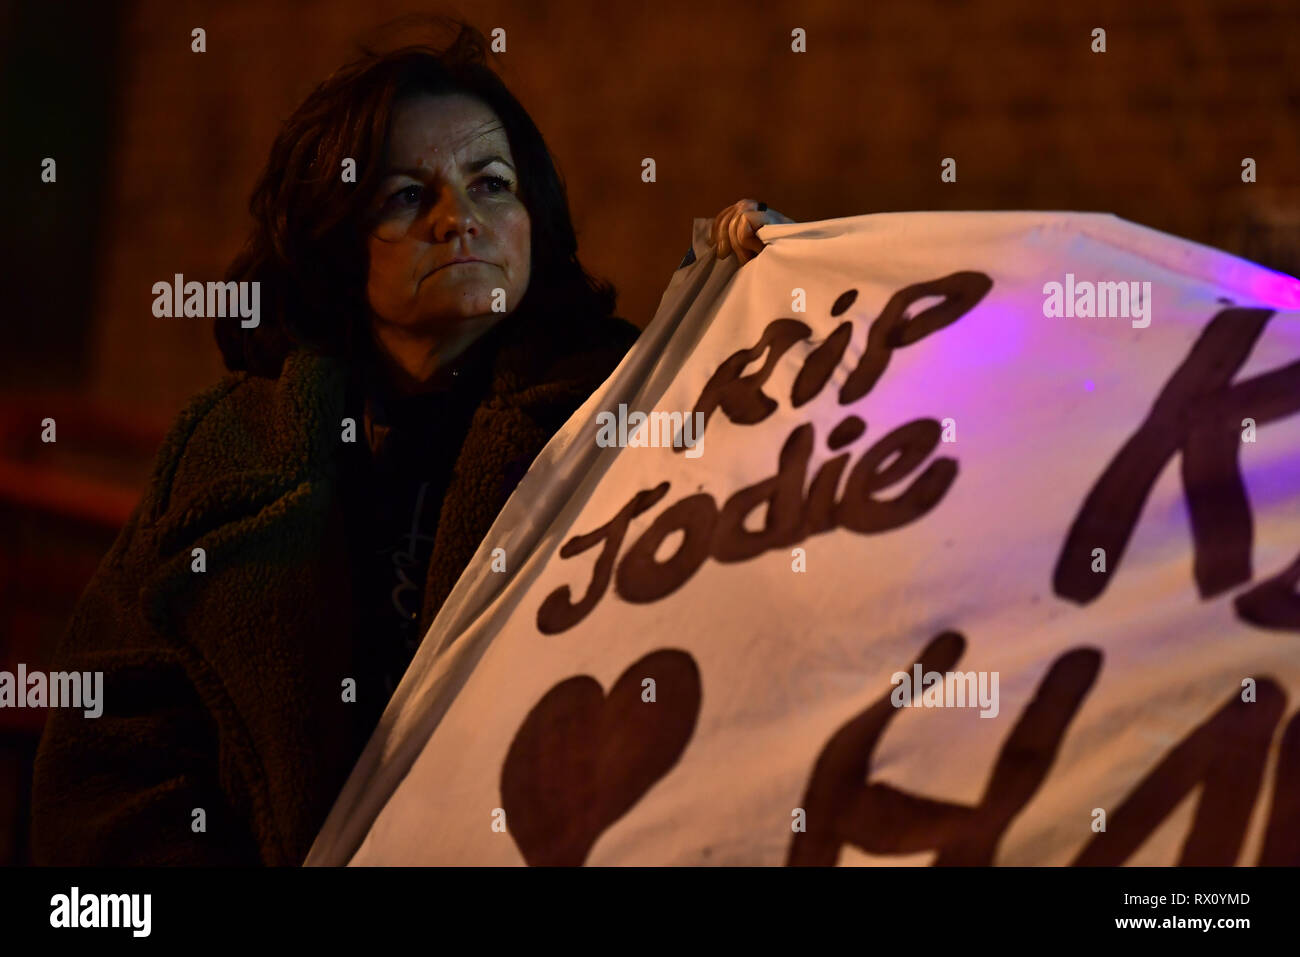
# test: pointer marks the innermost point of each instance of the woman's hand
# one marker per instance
(734, 229)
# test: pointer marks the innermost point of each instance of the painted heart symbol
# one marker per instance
(581, 759)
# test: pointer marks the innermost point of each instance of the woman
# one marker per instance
(426, 328)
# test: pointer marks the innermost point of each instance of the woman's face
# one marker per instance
(449, 191)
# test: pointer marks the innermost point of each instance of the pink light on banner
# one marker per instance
(1263, 286)
(1277, 289)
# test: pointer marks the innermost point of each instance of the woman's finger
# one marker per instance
(724, 233)
(731, 230)
(753, 220)
(743, 254)
(738, 227)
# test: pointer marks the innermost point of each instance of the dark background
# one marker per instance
(158, 148)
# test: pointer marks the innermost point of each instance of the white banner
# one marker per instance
(979, 544)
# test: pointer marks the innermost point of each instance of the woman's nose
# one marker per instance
(453, 214)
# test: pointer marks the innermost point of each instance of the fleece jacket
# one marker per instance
(226, 734)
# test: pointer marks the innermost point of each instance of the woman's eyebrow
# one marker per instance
(478, 164)
(418, 172)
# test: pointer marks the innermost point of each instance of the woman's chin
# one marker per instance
(453, 310)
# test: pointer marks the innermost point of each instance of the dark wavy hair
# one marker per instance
(307, 246)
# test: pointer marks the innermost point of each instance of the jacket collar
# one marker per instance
(526, 362)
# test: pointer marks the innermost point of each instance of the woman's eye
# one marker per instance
(409, 196)
(499, 182)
